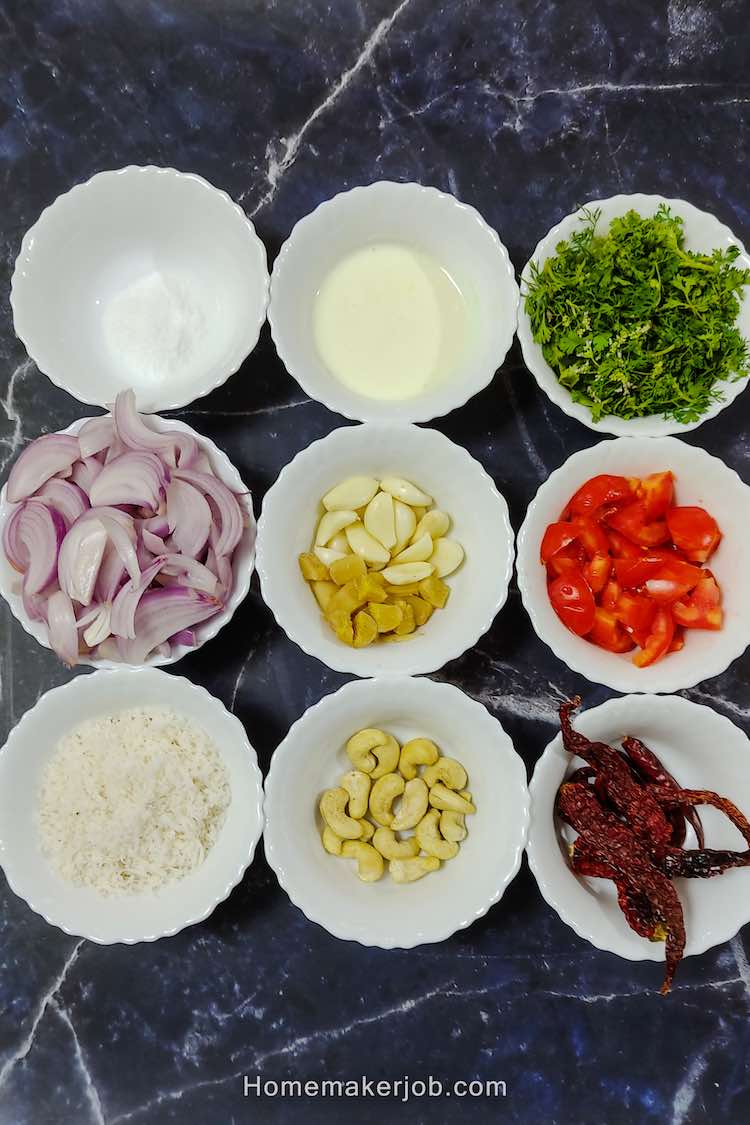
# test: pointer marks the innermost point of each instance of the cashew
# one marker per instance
(357, 785)
(387, 754)
(333, 810)
(429, 839)
(416, 752)
(359, 746)
(413, 805)
(331, 842)
(391, 847)
(447, 770)
(369, 861)
(453, 825)
(382, 795)
(445, 799)
(367, 829)
(409, 870)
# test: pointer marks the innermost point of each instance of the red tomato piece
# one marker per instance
(573, 602)
(603, 489)
(591, 536)
(597, 572)
(666, 590)
(656, 492)
(610, 594)
(621, 547)
(659, 639)
(556, 537)
(702, 610)
(572, 557)
(607, 632)
(636, 613)
(633, 523)
(678, 640)
(694, 531)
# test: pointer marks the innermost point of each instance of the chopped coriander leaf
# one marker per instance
(634, 324)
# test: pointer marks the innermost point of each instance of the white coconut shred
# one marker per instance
(132, 801)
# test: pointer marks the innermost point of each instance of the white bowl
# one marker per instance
(133, 917)
(703, 233)
(243, 559)
(699, 479)
(97, 273)
(459, 486)
(312, 758)
(702, 750)
(453, 233)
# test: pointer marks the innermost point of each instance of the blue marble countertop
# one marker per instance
(522, 108)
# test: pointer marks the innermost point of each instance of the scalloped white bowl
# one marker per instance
(700, 479)
(125, 919)
(243, 560)
(140, 226)
(704, 751)
(312, 758)
(453, 233)
(703, 233)
(459, 486)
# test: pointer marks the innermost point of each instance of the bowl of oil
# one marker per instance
(393, 302)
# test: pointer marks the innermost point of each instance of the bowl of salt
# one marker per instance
(143, 277)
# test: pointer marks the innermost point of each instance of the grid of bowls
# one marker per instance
(131, 221)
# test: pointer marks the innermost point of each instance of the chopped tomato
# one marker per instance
(597, 572)
(607, 632)
(678, 640)
(604, 489)
(573, 602)
(610, 594)
(633, 523)
(572, 557)
(621, 547)
(556, 537)
(636, 613)
(667, 590)
(694, 531)
(591, 536)
(634, 573)
(702, 609)
(656, 492)
(659, 639)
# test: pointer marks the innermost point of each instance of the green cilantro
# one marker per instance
(633, 324)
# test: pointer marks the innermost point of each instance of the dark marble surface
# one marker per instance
(523, 109)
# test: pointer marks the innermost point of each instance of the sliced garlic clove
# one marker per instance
(327, 556)
(332, 523)
(380, 519)
(434, 523)
(404, 573)
(447, 557)
(420, 551)
(406, 523)
(366, 545)
(354, 492)
(404, 491)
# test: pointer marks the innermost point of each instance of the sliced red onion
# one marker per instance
(132, 478)
(15, 552)
(156, 524)
(87, 614)
(188, 516)
(95, 435)
(222, 568)
(35, 542)
(63, 630)
(131, 428)
(162, 613)
(85, 472)
(184, 637)
(152, 543)
(121, 531)
(107, 650)
(98, 629)
(44, 458)
(227, 506)
(192, 573)
(122, 620)
(35, 605)
(116, 449)
(80, 557)
(65, 497)
(112, 574)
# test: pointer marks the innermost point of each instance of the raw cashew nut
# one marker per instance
(359, 746)
(429, 839)
(333, 810)
(409, 870)
(382, 795)
(331, 842)
(416, 752)
(370, 864)
(357, 785)
(453, 825)
(391, 847)
(446, 799)
(448, 771)
(387, 754)
(413, 805)
(367, 830)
